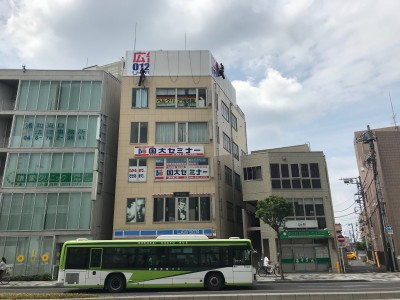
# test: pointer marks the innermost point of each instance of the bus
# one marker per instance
(165, 262)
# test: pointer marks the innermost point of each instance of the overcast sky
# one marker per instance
(304, 71)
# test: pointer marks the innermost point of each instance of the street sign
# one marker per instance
(389, 229)
(340, 238)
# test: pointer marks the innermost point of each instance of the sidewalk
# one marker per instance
(288, 277)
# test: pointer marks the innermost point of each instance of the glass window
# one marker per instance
(138, 132)
(309, 207)
(43, 95)
(51, 212)
(85, 95)
(70, 131)
(54, 95)
(165, 133)
(85, 212)
(295, 170)
(275, 183)
(194, 210)
(165, 97)
(60, 131)
(274, 169)
(64, 95)
(296, 183)
(202, 100)
(205, 209)
(15, 212)
(238, 183)
(319, 207)
(306, 183)
(225, 111)
(227, 143)
(49, 131)
(95, 96)
(229, 211)
(198, 132)
(228, 176)
(314, 170)
(77, 258)
(92, 130)
(316, 183)
(33, 95)
(5, 207)
(139, 98)
(39, 212)
(234, 121)
(235, 150)
(298, 207)
(81, 131)
(73, 211)
(62, 211)
(285, 170)
(158, 210)
(74, 95)
(27, 133)
(304, 170)
(286, 184)
(186, 97)
(252, 173)
(17, 133)
(23, 95)
(88, 171)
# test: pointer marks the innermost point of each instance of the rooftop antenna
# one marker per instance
(134, 44)
(394, 115)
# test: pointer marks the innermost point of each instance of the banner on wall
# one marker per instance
(147, 151)
(137, 60)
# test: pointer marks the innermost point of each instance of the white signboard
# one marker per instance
(301, 224)
(164, 151)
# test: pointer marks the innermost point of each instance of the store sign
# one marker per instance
(164, 151)
(137, 174)
(292, 234)
(301, 224)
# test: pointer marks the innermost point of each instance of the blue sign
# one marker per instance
(155, 233)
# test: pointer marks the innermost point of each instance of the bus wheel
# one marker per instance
(115, 283)
(214, 281)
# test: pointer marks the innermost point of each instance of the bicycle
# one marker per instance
(5, 276)
(272, 269)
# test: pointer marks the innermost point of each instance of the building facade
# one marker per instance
(300, 176)
(58, 147)
(378, 160)
(180, 141)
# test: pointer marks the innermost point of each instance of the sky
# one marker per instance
(305, 72)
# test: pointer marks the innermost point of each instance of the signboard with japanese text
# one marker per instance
(137, 174)
(137, 60)
(182, 169)
(155, 151)
(303, 233)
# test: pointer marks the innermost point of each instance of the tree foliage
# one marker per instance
(273, 210)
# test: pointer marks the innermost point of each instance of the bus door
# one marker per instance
(242, 267)
(93, 276)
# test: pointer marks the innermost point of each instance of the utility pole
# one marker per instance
(361, 194)
(368, 138)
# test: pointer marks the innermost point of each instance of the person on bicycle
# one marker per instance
(266, 264)
(3, 266)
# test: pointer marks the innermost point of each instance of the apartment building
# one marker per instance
(58, 148)
(301, 177)
(378, 159)
(180, 143)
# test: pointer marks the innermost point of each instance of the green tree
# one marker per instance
(273, 211)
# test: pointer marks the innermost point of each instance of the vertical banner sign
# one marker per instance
(137, 60)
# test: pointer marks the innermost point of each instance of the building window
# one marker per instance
(230, 212)
(178, 209)
(309, 209)
(185, 132)
(295, 176)
(227, 142)
(252, 173)
(228, 176)
(225, 111)
(135, 210)
(140, 98)
(181, 97)
(239, 215)
(137, 170)
(138, 133)
(235, 150)
(238, 183)
(234, 121)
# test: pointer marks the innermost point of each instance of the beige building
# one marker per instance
(301, 177)
(383, 181)
(180, 141)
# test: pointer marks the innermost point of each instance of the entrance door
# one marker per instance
(93, 276)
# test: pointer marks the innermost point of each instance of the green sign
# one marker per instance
(45, 178)
(314, 233)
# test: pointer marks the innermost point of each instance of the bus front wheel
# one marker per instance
(115, 283)
(214, 281)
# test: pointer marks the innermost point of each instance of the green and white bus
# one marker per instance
(166, 262)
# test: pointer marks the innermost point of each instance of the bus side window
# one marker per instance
(95, 258)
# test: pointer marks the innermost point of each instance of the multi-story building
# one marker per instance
(378, 159)
(58, 148)
(300, 176)
(180, 142)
